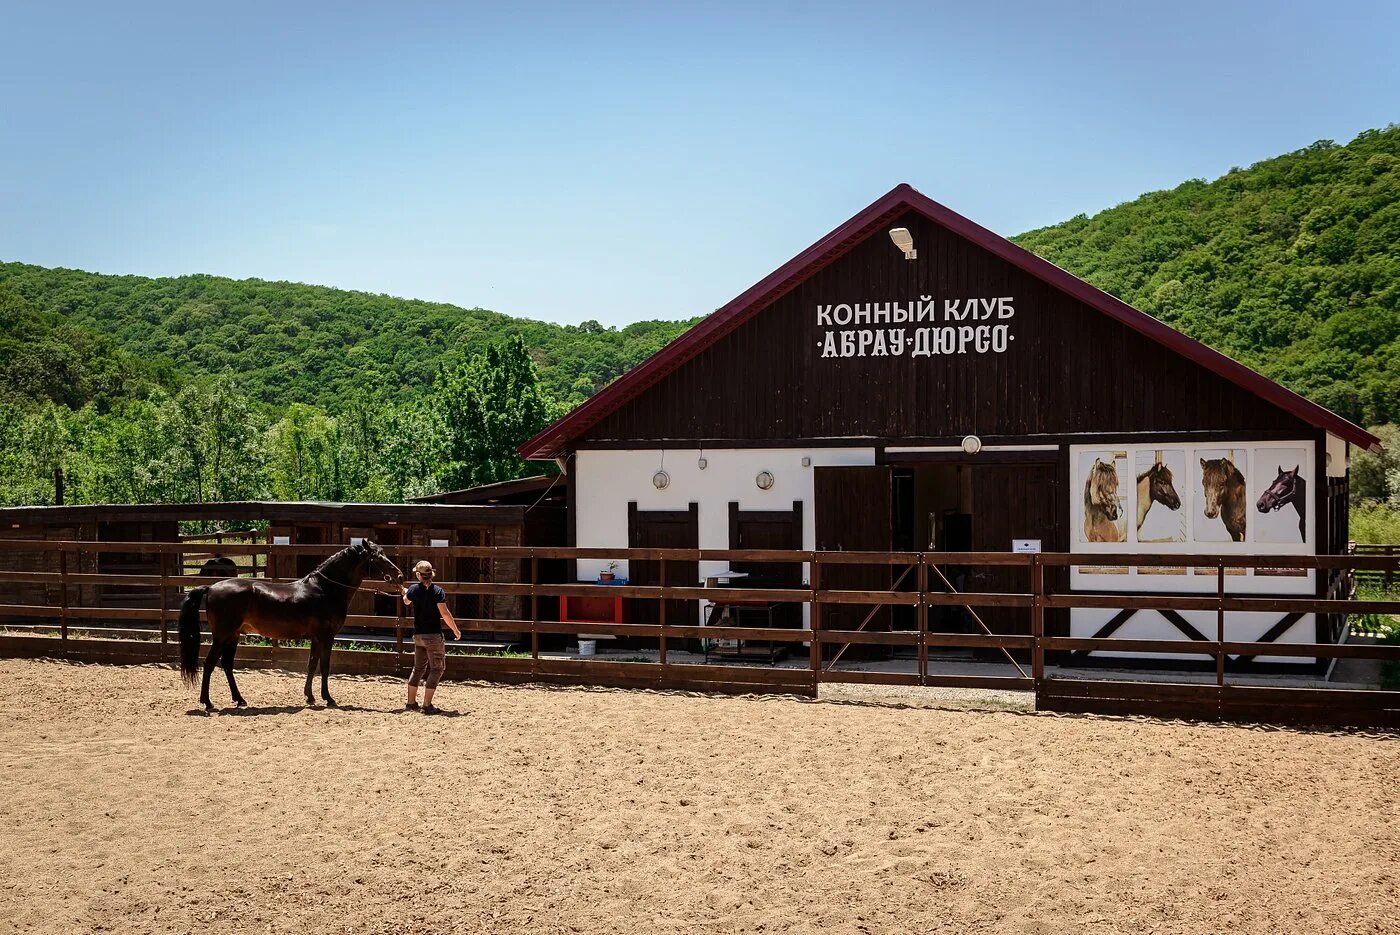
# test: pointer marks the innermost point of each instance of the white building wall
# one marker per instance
(605, 481)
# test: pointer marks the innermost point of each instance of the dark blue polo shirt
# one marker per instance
(426, 617)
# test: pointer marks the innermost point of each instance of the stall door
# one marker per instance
(853, 515)
(663, 529)
(779, 530)
(310, 534)
(1011, 501)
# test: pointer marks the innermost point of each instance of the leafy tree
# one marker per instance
(485, 408)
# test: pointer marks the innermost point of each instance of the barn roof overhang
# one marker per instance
(558, 438)
(273, 511)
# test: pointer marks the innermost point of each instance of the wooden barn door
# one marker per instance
(769, 529)
(853, 515)
(664, 529)
(1019, 500)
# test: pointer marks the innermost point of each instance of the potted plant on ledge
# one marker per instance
(609, 574)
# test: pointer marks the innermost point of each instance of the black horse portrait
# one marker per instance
(1288, 488)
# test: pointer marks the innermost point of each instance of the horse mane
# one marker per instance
(333, 562)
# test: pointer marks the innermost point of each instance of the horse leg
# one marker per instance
(326, 670)
(312, 660)
(210, 661)
(226, 659)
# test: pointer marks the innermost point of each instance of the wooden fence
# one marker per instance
(1385, 577)
(1033, 659)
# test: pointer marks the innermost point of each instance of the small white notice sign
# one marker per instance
(437, 543)
(1025, 545)
(357, 540)
(281, 540)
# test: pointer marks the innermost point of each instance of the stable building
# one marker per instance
(913, 381)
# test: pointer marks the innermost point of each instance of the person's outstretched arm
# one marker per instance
(451, 623)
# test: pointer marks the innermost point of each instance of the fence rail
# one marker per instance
(1031, 655)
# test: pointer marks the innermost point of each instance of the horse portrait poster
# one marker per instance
(1105, 484)
(1221, 489)
(1161, 490)
(1279, 495)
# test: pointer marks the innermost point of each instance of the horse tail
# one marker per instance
(189, 634)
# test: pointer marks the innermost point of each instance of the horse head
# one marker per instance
(376, 562)
(1213, 477)
(1161, 487)
(1281, 492)
(1103, 484)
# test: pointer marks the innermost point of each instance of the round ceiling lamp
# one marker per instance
(661, 480)
(971, 444)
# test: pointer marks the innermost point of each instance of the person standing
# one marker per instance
(429, 603)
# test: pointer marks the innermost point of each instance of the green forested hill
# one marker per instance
(285, 342)
(1291, 266)
(138, 387)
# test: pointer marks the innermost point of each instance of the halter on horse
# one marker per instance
(1288, 488)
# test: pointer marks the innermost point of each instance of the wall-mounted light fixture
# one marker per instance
(661, 480)
(764, 480)
(904, 241)
(971, 444)
(806, 461)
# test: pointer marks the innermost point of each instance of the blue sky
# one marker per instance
(623, 162)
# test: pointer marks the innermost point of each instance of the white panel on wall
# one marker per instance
(605, 482)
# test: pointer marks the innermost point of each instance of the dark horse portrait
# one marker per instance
(311, 608)
(1223, 486)
(1101, 503)
(1155, 486)
(1288, 488)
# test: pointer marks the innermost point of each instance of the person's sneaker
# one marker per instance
(411, 706)
(429, 709)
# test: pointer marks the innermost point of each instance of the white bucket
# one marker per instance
(587, 647)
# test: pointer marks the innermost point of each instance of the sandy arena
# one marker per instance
(565, 810)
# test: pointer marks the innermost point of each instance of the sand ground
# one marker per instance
(561, 810)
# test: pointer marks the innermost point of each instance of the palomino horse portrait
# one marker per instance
(1155, 486)
(1288, 488)
(1223, 487)
(1101, 508)
(310, 608)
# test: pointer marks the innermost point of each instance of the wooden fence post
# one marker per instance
(398, 631)
(661, 643)
(816, 619)
(63, 595)
(1037, 573)
(534, 612)
(921, 615)
(164, 598)
(1220, 627)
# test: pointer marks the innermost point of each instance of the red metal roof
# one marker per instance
(555, 439)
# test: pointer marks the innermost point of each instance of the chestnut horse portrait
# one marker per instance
(1223, 486)
(310, 608)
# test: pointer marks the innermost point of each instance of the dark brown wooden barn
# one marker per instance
(960, 395)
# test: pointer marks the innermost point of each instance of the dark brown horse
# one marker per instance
(1288, 488)
(1223, 487)
(311, 608)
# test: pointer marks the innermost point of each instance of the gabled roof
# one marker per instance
(556, 439)
(532, 488)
